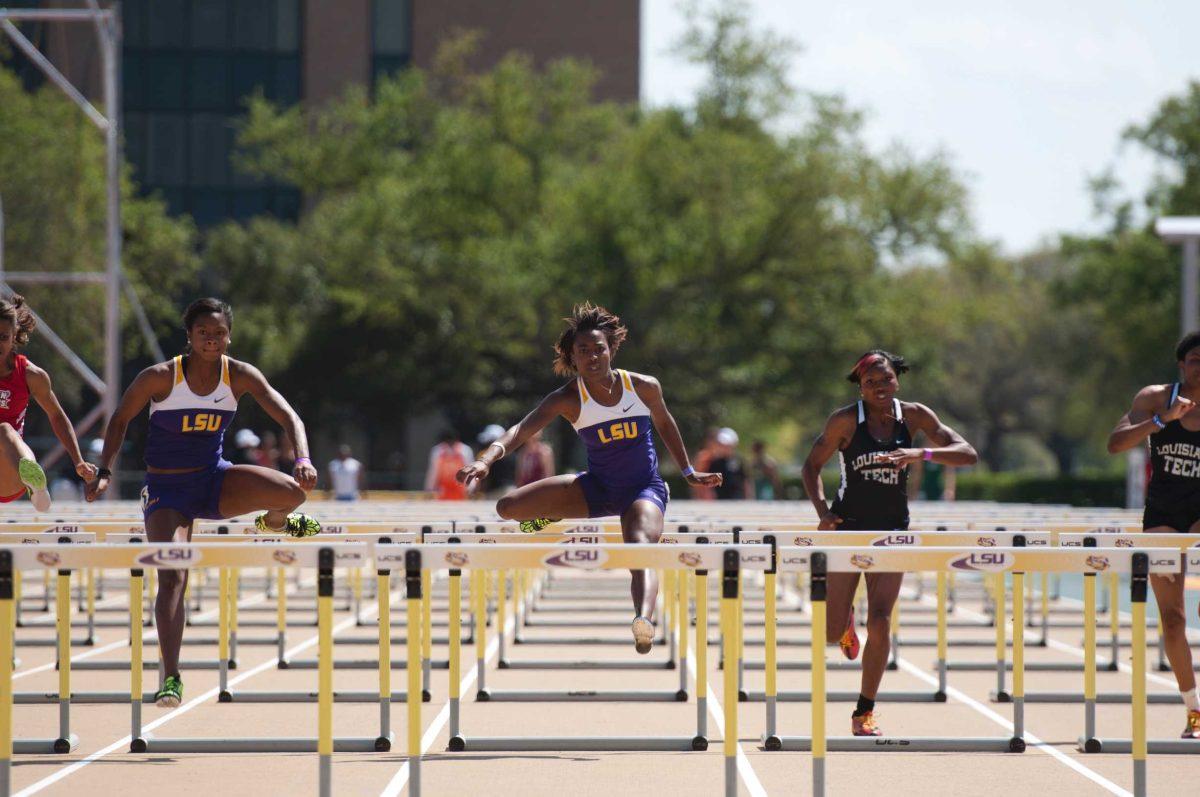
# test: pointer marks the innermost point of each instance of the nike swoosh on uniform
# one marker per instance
(627, 409)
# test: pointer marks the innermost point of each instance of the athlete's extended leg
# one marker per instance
(642, 522)
(882, 591)
(19, 469)
(250, 488)
(168, 525)
(555, 497)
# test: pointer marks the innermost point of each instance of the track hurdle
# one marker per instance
(730, 560)
(1151, 544)
(1017, 560)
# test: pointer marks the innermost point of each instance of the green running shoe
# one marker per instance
(298, 524)
(33, 477)
(530, 526)
(170, 694)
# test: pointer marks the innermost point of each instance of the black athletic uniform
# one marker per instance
(1173, 494)
(872, 495)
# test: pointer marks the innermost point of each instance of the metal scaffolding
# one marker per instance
(108, 32)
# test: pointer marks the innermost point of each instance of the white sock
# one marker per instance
(1191, 699)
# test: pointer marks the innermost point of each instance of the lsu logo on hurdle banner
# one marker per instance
(690, 558)
(580, 558)
(171, 557)
(986, 561)
(897, 539)
(1098, 563)
(804, 541)
(284, 557)
(862, 561)
(48, 558)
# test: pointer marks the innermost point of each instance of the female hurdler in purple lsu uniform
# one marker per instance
(192, 400)
(612, 411)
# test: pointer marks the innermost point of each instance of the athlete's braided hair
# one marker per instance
(204, 307)
(15, 310)
(876, 357)
(586, 317)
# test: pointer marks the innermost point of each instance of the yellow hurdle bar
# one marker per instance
(8, 621)
(943, 580)
(818, 581)
(413, 587)
(223, 624)
(280, 611)
(1138, 584)
(1089, 742)
(136, 580)
(384, 600)
(1000, 604)
(63, 620)
(682, 622)
(701, 660)
(427, 634)
(455, 652)
(479, 600)
(730, 591)
(501, 609)
(325, 679)
(1018, 693)
(769, 626)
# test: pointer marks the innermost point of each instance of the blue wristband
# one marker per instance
(688, 471)
(1158, 421)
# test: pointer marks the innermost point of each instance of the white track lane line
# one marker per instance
(186, 707)
(1030, 738)
(745, 771)
(398, 781)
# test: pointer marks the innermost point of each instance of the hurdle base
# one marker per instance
(1088, 745)
(149, 665)
(1000, 697)
(353, 664)
(629, 744)
(805, 665)
(840, 696)
(43, 698)
(1160, 746)
(581, 696)
(51, 642)
(1158, 698)
(58, 746)
(556, 664)
(1030, 666)
(153, 744)
(915, 744)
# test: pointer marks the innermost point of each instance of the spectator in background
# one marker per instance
(345, 475)
(727, 462)
(446, 459)
(535, 460)
(703, 462)
(764, 473)
(245, 448)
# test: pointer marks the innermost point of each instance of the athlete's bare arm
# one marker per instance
(245, 378)
(152, 383)
(839, 428)
(43, 393)
(1138, 424)
(951, 449)
(650, 392)
(563, 402)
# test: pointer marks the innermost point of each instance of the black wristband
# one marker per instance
(103, 473)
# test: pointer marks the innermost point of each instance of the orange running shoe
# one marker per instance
(1192, 731)
(864, 725)
(849, 640)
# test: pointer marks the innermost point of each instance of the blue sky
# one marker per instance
(1028, 98)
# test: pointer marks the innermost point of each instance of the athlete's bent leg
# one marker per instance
(555, 497)
(168, 525)
(643, 523)
(883, 589)
(19, 469)
(250, 488)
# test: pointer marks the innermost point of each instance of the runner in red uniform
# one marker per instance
(20, 379)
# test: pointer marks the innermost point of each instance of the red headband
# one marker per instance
(866, 362)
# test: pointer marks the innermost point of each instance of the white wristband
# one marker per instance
(503, 450)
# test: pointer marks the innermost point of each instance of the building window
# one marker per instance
(189, 66)
(391, 36)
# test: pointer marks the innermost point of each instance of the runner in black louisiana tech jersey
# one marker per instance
(1165, 414)
(873, 439)
(612, 412)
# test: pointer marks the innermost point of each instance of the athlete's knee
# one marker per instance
(8, 433)
(506, 508)
(879, 623)
(172, 580)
